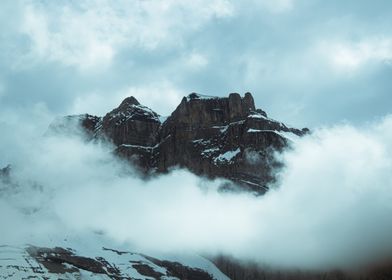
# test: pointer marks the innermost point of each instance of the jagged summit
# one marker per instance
(130, 108)
(211, 136)
(204, 110)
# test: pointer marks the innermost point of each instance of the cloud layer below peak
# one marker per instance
(331, 208)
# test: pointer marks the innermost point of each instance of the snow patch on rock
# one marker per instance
(227, 157)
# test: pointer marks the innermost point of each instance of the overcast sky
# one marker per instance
(307, 62)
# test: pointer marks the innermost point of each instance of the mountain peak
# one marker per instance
(129, 109)
(130, 122)
(129, 101)
(224, 137)
(203, 110)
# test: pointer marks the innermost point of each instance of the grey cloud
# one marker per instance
(275, 54)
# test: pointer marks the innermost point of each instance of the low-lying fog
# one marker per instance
(332, 206)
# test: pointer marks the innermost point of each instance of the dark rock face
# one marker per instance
(131, 123)
(202, 111)
(211, 136)
(216, 136)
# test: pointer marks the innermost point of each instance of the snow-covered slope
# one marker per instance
(94, 260)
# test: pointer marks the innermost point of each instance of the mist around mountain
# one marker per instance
(326, 216)
(203, 139)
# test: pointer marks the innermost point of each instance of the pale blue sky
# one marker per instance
(307, 62)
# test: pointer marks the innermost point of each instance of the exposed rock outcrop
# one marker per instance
(211, 136)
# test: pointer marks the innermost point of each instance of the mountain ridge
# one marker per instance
(215, 137)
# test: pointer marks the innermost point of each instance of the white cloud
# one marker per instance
(241, 46)
(277, 6)
(88, 34)
(67, 37)
(196, 60)
(332, 208)
(349, 56)
(160, 96)
(95, 103)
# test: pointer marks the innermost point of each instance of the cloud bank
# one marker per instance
(331, 208)
(329, 61)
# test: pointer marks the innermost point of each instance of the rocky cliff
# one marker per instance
(211, 136)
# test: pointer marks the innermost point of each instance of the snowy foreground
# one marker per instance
(75, 259)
